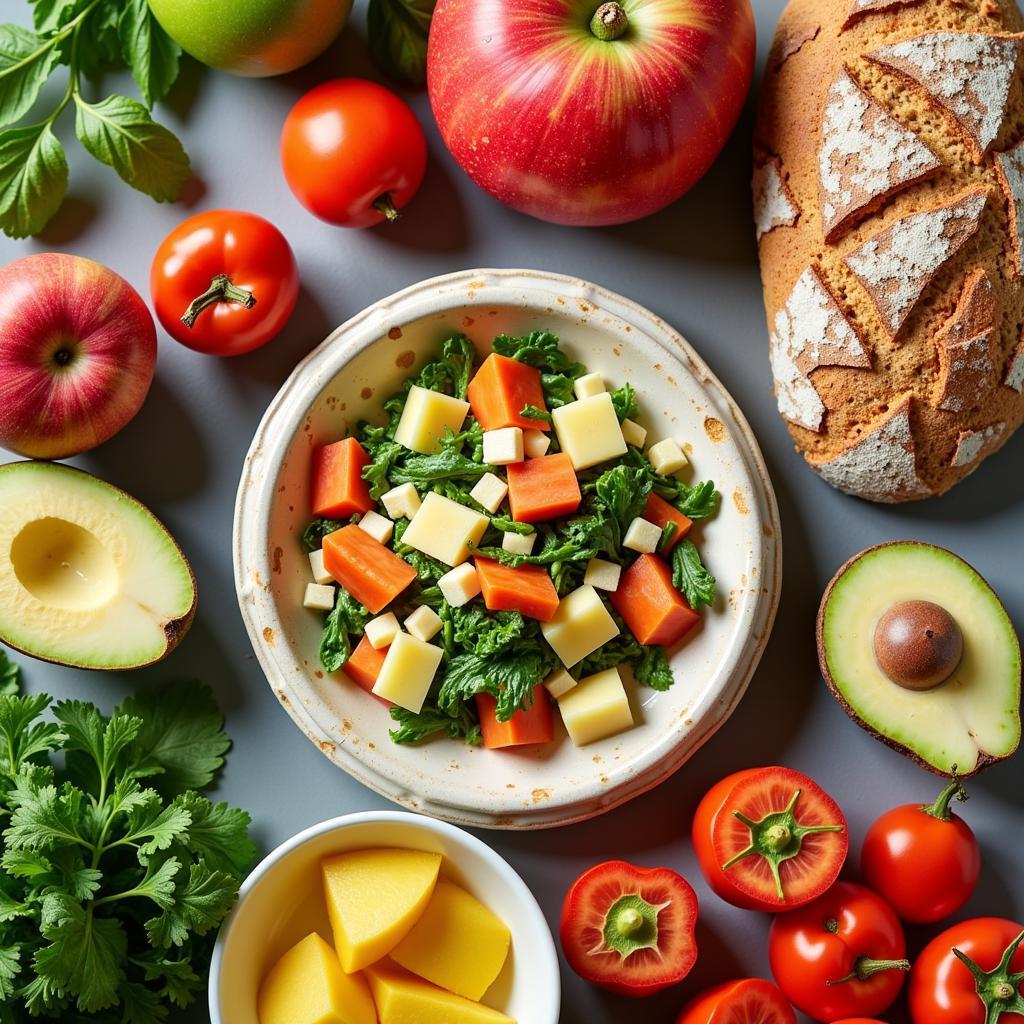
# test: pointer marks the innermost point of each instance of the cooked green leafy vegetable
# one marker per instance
(313, 535)
(431, 721)
(690, 577)
(347, 617)
(624, 402)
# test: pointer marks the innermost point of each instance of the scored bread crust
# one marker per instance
(924, 263)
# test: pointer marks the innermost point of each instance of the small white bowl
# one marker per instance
(282, 901)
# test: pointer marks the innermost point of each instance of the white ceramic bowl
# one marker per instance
(345, 380)
(282, 901)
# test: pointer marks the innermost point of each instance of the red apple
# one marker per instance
(77, 353)
(584, 116)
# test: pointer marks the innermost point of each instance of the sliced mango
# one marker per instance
(457, 943)
(308, 986)
(402, 998)
(373, 898)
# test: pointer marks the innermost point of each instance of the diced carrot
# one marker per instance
(500, 391)
(531, 725)
(339, 489)
(527, 589)
(363, 666)
(654, 610)
(370, 572)
(543, 488)
(661, 513)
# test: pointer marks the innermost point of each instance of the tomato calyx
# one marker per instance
(609, 22)
(940, 809)
(221, 290)
(384, 205)
(777, 837)
(998, 989)
(631, 924)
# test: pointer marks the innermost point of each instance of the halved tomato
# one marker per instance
(769, 839)
(630, 929)
(745, 1001)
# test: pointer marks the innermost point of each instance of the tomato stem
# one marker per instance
(864, 967)
(383, 204)
(998, 989)
(221, 290)
(609, 22)
(940, 809)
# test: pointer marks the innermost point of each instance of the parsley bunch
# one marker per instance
(89, 37)
(111, 890)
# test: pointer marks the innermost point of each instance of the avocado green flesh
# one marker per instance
(972, 717)
(88, 576)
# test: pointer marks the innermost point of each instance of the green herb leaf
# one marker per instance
(431, 721)
(699, 501)
(26, 61)
(348, 616)
(533, 412)
(50, 15)
(397, 31)
(624, 401)
(200, 904)
(10, 967)
(149, 52)
(313, 535)
(451, 372)
(382, 458)
(218, 834)
(33, 178)
(448, 464)
(690, 577)
(540, 349)
(10, 675)
(98, 48)
(479, 631)
(652, 669)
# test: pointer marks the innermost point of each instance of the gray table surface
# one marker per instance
(695, 265)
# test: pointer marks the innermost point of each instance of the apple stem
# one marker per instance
(609, 22)
(385, 205)
(221, 290)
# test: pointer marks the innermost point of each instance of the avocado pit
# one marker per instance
(918, 644)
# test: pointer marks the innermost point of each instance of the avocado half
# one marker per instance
(89, 577)
(965, 723)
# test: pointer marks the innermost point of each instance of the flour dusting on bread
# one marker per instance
(971, 443)
(774, 207)
(1010, 166)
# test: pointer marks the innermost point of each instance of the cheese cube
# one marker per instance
(408, 670)
(666, 457)
(588, 431)
(595, 708)
(518, 543)
(318, 597)
(377, 526)
(316, 565)
(588, 385)
(382, 630)
(633, 433)
(642, 536)
(535, 443)
(603, 575)
(580, 625)
(444, 529)
(559, 683)
(460, 585)
(426, 416)
(423, 623)
(489, 491)
(401, 501)
(504, 446)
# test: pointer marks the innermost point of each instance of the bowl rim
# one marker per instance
(460, 837)
(254, 572)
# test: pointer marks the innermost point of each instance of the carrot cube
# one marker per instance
(363, 666)
(527, 589)
(530, 725)
(543, 488)
(654, 610)
(661, 513)
(500, 391)
(370, 572)
(339, 489)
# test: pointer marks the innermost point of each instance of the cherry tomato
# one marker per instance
(630, 929)
(224, 282)
(353, 153)
(769, 839)
(973, 973)
(840, 956)
(746, 1001)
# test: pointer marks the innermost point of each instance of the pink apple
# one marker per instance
(77, 353)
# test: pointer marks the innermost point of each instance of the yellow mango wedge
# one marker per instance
(373, 898)
(402, 998)
(457, 943)
(308, 986)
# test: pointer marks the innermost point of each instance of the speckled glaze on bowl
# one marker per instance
(345, 380)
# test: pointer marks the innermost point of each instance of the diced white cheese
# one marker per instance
(489, 491)
(588, 385)
(580, 625)
(460, 585)
(601, 574)
(519, 543)
(424, 623)
(503, 446)
(401, 501)
(596, 707)
(408, 670)
(633, 433)
(642, 535)
(535, 442)
(426, 416)
(666, 457)
(588, 431)
(377, 526)
(559, 683)
(318, 597)
(316, 564)
(382, 630)
(444, 529)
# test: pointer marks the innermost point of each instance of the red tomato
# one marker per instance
(924, 860)
(973, 973)
(859, 1020)
(353, 153)
(842, 955)
(630, 929)
(769, 839)
(746, 1001)
(224, 282)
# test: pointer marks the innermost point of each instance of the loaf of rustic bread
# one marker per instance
(889, 208)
